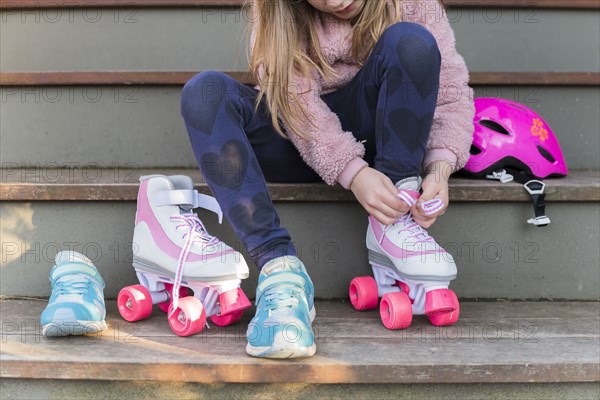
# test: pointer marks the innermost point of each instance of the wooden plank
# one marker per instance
(142, 78)
(88, 184)
(195, 362)
(25, 4)
(105, 78)
(375, 355)
(542, 78)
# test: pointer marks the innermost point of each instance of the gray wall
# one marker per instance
(110, 126)
(498, 254)
(198, 39)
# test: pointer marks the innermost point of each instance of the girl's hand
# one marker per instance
(378, 196)
(435, 185)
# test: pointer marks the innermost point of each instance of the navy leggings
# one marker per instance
(389, 104)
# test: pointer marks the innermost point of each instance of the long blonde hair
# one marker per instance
(282, 26)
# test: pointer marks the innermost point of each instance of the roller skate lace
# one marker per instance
(408, 225)
(196, 233)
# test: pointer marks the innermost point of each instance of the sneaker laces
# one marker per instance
(283, 297)
(196, 233)
(72, 284)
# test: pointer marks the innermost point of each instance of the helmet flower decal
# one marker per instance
(537, 129)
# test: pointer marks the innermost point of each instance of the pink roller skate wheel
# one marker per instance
(363, 293)
(440, 301)
(228, 319)
(445, 318)
(183, 292)
(395, 310)
(189, 317)
(135, 303)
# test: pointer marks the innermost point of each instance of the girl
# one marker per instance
(347, 92)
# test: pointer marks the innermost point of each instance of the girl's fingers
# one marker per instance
(429, 216)
(399, 207)
(389, 185)
(392, 206)
(434, 207)
(418, 213)
(389, 211)
(424, 222)
(381, 217)
(390, 197)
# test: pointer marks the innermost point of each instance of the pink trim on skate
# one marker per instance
(145, 214)
(394, 250)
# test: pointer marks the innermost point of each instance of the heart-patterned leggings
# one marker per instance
(389, 105)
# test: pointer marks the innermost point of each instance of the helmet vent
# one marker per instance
(516, 106)
(494, 126)
(475, 150)
(546, 154)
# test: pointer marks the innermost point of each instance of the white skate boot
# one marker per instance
(173, 252)
(412, 272)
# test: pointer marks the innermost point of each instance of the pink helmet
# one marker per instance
(508, 134)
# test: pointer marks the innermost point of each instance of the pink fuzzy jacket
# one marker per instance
(335, 154)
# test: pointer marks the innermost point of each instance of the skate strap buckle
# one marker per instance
(501, 176)
(190, 198)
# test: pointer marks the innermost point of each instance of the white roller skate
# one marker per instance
(173, 252)
(412, 272)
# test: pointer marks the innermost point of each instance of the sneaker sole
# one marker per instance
(281, 352)
(66, 328)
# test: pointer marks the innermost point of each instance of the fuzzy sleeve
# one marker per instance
(452, 131)
(333, 153)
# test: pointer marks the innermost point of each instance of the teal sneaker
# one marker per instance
(282, 326)
(76, 306)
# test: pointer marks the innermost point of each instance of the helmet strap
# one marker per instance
(501, 175)
(536, 189)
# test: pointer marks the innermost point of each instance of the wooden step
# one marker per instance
(492, 342)
(498, 255)
(149, 78)
(89, 184)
